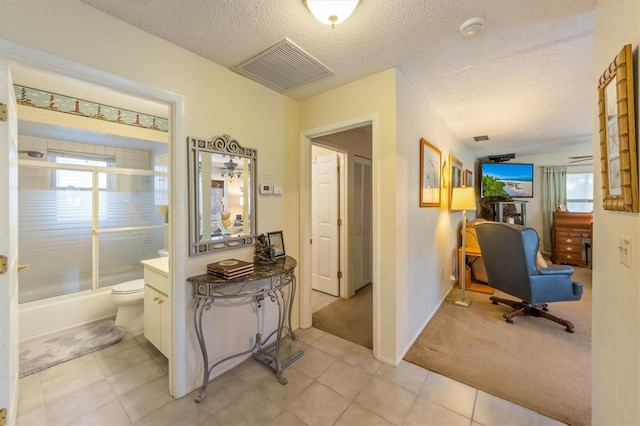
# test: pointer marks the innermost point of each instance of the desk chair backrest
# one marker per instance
(509, 254)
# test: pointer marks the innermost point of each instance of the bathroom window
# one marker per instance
(78, 179)
(74, 187)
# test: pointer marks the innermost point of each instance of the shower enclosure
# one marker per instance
(84, 224)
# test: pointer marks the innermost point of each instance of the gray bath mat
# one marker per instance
(43, 354)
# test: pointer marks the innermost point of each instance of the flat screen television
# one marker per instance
(506, 180)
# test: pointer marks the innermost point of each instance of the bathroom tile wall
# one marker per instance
(129, 158)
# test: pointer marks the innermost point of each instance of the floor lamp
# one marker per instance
(463, 198)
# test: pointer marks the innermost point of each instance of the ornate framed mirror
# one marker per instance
(222, 195)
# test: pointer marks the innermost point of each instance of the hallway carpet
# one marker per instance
(532, 362)
(350, 319)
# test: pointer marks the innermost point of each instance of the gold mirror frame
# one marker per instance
(616, 116)
(430, 178)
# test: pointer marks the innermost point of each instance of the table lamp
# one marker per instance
(463, 198)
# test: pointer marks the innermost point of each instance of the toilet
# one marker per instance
(129, 298)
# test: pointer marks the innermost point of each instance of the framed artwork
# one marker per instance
(277, 242)
(430, 179)
(618, 159)
(455, 175)
(468, 178)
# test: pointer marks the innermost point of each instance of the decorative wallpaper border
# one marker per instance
(60, 103)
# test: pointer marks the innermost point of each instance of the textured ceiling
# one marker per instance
(525, 81)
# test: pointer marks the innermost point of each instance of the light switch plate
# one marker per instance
(624, 246)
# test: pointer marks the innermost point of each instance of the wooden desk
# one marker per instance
(568, 237)
(471, 286)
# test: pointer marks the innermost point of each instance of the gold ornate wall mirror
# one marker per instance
(222, 195)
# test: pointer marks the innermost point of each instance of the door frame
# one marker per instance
(20, 55)
(306, 137)
(9, 353)
(344, 283)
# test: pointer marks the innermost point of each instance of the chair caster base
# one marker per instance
(526, 309)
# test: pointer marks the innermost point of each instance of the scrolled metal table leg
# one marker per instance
(289, 307)
(199, 308)
(283, 380)
(279, 298)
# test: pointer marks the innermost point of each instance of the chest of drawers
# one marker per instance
(570, 233)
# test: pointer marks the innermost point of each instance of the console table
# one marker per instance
(270, 280)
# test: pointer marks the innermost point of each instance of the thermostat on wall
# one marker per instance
(266, 188)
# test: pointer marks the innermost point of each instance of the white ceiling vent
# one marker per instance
(283, 67)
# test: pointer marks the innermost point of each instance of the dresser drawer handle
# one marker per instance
(568, 240)
(568, 256)
(569, 248)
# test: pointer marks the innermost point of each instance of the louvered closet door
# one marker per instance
(362, 223)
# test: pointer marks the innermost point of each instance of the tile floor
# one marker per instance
(335, 383)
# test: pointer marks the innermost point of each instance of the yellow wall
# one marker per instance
(375, 94)
(216, 101)
(415, 245)
(616, 288)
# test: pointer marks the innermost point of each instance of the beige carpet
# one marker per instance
(532, 362)
(350, 319)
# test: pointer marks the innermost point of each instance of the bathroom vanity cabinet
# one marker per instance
(157, 304)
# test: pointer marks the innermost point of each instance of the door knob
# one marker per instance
(21, 267)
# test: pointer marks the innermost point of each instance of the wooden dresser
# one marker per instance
(571, 238)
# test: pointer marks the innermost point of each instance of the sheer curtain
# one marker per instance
(554, 193)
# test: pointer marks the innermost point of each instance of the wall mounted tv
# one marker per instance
(506, 180)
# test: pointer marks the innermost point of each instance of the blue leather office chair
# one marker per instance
(509, 254)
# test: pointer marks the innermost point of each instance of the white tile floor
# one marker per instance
(335, 383)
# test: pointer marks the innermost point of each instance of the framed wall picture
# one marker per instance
(618, 159)
(455, 175)
(468, 178)
(430, 178)
(277, 242)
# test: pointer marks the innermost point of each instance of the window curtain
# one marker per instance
(554, 193)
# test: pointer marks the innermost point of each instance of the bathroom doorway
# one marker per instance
(80, 308)
(93, 196)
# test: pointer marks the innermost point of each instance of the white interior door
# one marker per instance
(325, 247)
(8, 247)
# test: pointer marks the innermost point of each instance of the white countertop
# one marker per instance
(159, 265)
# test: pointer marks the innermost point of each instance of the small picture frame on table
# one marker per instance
(277, 242)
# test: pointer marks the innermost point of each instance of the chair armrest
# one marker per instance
(556, 270)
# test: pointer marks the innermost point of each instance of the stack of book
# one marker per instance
(230, 268)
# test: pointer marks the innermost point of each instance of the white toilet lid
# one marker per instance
(133, 286)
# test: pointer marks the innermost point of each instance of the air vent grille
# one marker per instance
(481, 138)
(283, 67)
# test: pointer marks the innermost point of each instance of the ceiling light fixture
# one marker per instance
(331, 12)
(472, 26)
(230, 171)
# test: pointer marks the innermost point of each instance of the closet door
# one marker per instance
(362, 223)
